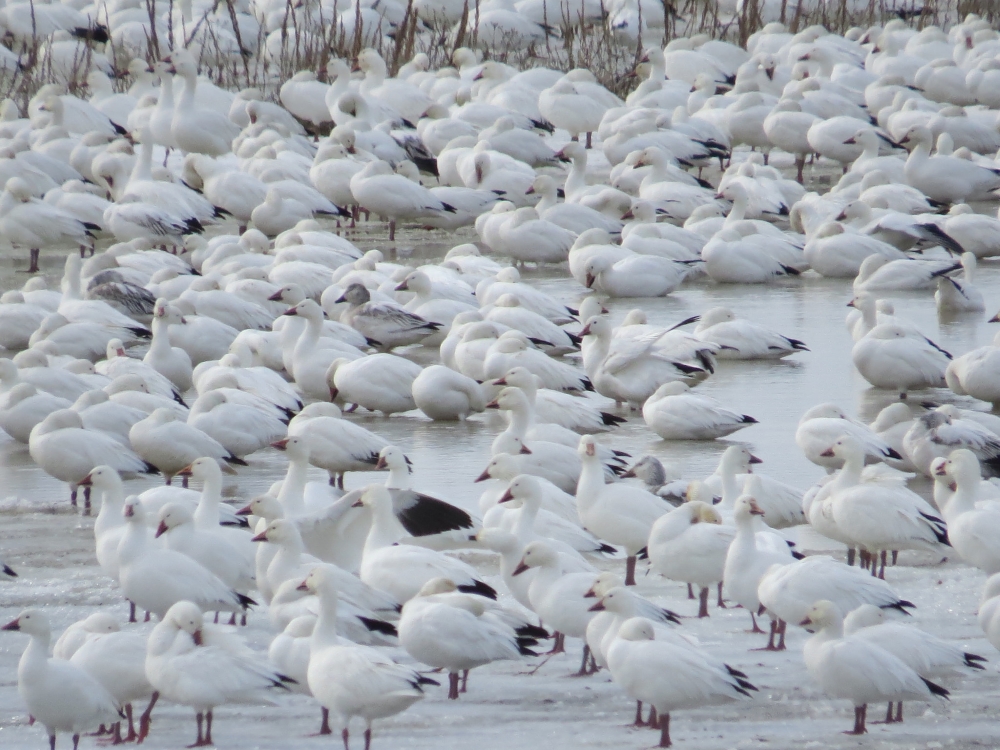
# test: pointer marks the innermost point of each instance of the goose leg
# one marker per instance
(344, 736)
(453, 686)
(851, 554)
(638, 715)
(756, 627)
(782, 626)
(147, 718)
(703, 602)
(721, 604)
(859, 720)
(72, 497)
(589, 139)
(368, 738)
(881, 572)
(131, 736)
(800, 163)
(208, 728)
(630, 570)
(86, 501)
(392, 231)
(895, 556)
(52, 742)
(665, 730)
(33, 255)
(558, 644)
(654, 720)
(198, 742)
(76, 741)
(324, 727)
(899, 712)
(465, 681)
(690, 592)
(583, 664)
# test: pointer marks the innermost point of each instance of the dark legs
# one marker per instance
(665, 730)
(146, 719)
(453, 679)
(630, 570)
(703, 602)
(34, 262)
(859, 720)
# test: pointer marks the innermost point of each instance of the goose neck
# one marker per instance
(293, 488)
(160, 345)
(110, 514)
(206, 515)
(384, 531)
(143, 169)
(738, 211)
(399, 478)
(591, 482)
(576, 179)
(324, 632)
(35, 656)
(526, 518)
(133, 543)
(962, 500)
(548, 200)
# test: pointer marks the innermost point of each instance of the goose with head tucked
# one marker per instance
(891, 358)
(743, 339)
(379, 382)
(170, 444)
(824, 424)
(674, 413)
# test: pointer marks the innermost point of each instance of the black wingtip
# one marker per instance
(642, 554)
(522, 647)
(606, 549)
(421, 680)
(973, 661)
(936, 689)
(900, 606)
(671, 616)
(798, 555)
(13, 574)
(533, 631)
(611, 420)
(378, 626)
(245, 601)
(893, 453)
(231, 459)
(149, 468)
(480, 588)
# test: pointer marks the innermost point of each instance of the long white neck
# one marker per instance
(110, 514)
(324, 632)
(962, 500)
(160, 345)
(591, 482)
(525, 525)
(549, 198)
(35, 658)
(577, 177)
(730, 487)
(385, 530)
(187, 96)
(399, 478)
(206, 515)
(291, 332)
(133, 543)
(143, 168)
(309, 339)
(293, 488)
(739, 210)
(595, 354)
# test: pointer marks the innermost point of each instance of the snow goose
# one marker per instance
(192, 663)
(289, 654)
(927, 655)
(619, 514)
(572, 108)
(989, 617)
(170, 444)
(781, 503)
(512, 350)
(117, 661)
(385, 325)
(505, 468)
(402, 569)
(882, 515)
(558, 596)
(194, 128)
(974, 373)
(60, 695)
(787, 128)
(573, 217)
(443, 394)
(673, 413)
(971, 529)
(634, 275)
(788, 591)
(109, 526)
(61, 446)
(976, 233)
(379, 382)
(98, 412)
(945, 178)
(638, 663)
(664, 481)
(731, 258)
(170, 361)
(31, 366)
(742, 339)
(335, 445)
(527, 238)
(119, 363)
(18, 320)
(944, 429)
(835, 252)
(526, 494)
(555, 407)
(508, 281)
(889, 357)
(156, 578)
(241, 422)
(858, 669)
(377, 188)
(508, 311)
(618, 604)
(81, 631)
(458, 633)
(29, 222)
(24, 406)
(953, 295)
(824, 424)
(350, 680)
(213, 550)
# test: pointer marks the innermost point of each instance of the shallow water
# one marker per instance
(52, 547)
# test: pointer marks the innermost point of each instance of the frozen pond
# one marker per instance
(52, 549)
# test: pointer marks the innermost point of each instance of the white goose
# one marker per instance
(674, 413)
(857, 669)
(380, 382)
(335, 445)
(639, 662)
(953, 295)
(60, 696)
(195, 128)
(824, 424)
(743, 339)
(443, 394)
(891, 358)
(170, 444)
(971, 529)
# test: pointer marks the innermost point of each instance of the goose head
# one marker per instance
(296, 447)
(824, 411)
(651, 471)
(102, 478)
(637, 629)
(291, 294)
(865, 616)
(587, 447)
(355, 295)
(676, 388)
(204, 469)
(171, 516)
(820, 615)
(31, 622)
(279, 531)
(892, 415)
(536, 554)
(847, 449)
(523, 489)
(263, 506)
(962, 467)
(746, 508)
(917, 135)
(187, 617)
(594, 267)
(415, 281)
(604, 583)
(502, 466)
(521, 378)
(737, 459)
(393, 459)
(510, 399)
(134, 511)
(436, 586)
(598, 326)
(616, 599)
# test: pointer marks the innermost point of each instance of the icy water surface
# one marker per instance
(52, 549)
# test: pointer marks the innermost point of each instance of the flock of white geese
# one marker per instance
(262, 340)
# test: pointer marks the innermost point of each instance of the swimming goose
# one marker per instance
(60, 696)
(973, 373)
(443, 394)
(350, 680)
(731, 258)
(556, 407)
(459, 632)
(823, 424)
(742, 339)
(673, 413)
(194, 663)
(953, 295)
(857, 669)
(638, 662)
(945, 178)
(239, 421)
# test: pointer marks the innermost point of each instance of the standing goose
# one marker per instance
(193, 128)
(385, 325)
(170, 444)
(59, 695)
(857, 669)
